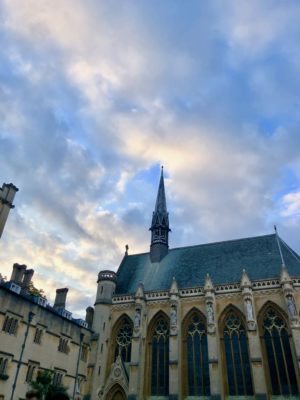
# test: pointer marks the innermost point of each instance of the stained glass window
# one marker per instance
(123, 340)
(160, 358)
(197, 356)
(279, 355)
(238, 368)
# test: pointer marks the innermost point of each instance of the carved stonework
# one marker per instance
(246, 287)
(209, 293)
(137, 320)
(173, 320)
(211, 326)
(288, 291)
(248, 305)
(117, 376)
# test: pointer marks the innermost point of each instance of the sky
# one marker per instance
(96, 95)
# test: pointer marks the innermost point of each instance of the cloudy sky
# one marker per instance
(96, 95)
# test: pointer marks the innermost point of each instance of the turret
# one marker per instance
(101, 325)
(106, 287)
(160, 225)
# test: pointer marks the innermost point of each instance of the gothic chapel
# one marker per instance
(212, 321)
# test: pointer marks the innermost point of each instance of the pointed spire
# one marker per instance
(160, 224)
(174, 286)
(140, 293)
(161, 204)
(208, 285)
(285, 276)
(245, 281)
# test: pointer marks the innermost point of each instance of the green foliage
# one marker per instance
(44, 385)
(35, 292)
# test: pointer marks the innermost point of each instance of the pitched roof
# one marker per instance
(224, 261)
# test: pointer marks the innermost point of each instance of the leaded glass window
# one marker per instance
(239, 379)
(123, 340)
(197, 356)
(160, 358)
(279, 355)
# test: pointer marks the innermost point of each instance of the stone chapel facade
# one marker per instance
(213, 321)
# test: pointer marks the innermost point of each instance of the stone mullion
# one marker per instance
(213, 340)
(214, 365)
(256, 357)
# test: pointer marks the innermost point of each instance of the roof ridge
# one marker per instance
(209, 244)
(224, 241)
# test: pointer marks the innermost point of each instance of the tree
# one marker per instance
(44, 385)
(34, 291)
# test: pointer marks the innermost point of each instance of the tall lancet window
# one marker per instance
(122, 339)
(196, 355)
(160, 357)
(282, 375)
(238, 370)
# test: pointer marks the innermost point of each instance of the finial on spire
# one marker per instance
(126, 249)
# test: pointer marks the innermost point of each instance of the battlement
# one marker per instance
(107, 276)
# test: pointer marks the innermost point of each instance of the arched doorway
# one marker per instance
(116, 393)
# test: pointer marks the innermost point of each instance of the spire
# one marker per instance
(160, 224)
(161, 204)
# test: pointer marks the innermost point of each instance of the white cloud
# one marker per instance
(291, 205)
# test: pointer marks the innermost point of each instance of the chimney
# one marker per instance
(89, 316)
(18, 273)
(28, 274)
(60, 298)
(7, 194)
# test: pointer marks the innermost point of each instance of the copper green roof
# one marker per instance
(224, 261)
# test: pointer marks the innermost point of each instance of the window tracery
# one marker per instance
(123, 340)
(238, 370)
(198, 383)
(160, 358)
(282, 373)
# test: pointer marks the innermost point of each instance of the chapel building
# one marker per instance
(213, 321)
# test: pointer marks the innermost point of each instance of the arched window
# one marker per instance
(196, 355)
(159, 351)
(122, 341)
(276, 342)
(238, 370)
